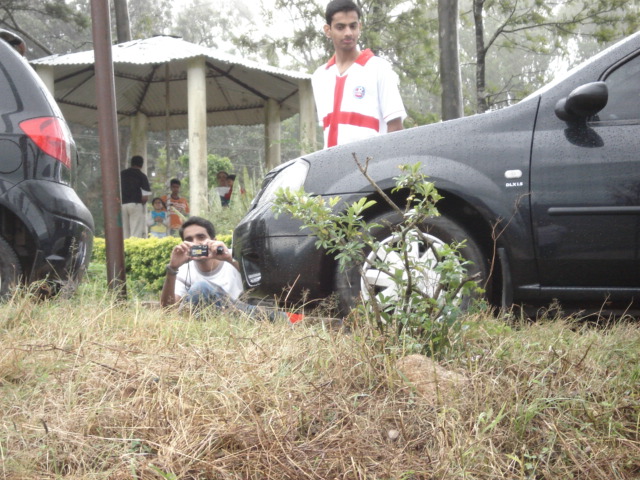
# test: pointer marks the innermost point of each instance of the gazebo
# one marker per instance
(165, 83)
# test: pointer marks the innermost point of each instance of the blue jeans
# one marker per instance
(203, 294)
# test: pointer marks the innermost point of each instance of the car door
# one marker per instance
(585, 192)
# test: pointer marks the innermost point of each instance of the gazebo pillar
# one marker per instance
(272, 133)
(47, 76)
(138, 144)
(197, 112)
(307, 117)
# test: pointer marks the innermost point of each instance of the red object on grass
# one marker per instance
(295, 317)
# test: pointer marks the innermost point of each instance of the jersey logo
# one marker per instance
(358, 92)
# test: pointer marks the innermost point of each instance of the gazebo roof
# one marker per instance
(149, 71)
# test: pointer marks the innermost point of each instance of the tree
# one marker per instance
(450, 77)
(541, 28)
(215, 164)
(123, 27)
(150, 17)
(46, 24)
(222, 24)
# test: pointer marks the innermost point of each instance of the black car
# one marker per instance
(546, 192)
(46, 232)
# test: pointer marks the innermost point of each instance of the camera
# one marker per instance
(219, 250)
(199, 251)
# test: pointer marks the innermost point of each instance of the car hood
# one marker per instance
(442, 149)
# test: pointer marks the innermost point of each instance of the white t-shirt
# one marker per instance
(359, 103)
(225, 276)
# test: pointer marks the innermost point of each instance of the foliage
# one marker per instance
(214, 24)
(37, 20)
(149, 17)
(225, 218)
(422, 315)
(537, 31)
(215, 163)
(508, 49)
(145, 260)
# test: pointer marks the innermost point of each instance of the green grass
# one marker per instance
(91, 387)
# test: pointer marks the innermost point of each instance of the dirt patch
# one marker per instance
(431, 380)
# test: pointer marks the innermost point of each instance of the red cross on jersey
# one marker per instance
(359, 103)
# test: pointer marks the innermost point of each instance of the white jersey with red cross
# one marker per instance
(359, 103)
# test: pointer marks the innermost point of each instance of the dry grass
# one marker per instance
(93, 389)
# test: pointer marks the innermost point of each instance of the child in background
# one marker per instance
(177, 206)
(158, 219)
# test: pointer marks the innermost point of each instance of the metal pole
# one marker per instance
(167, 109)
(109, 152)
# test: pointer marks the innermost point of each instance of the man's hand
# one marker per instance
(394, 125)
(180, 255)
(220, 251)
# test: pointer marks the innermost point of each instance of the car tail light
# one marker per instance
(52, 135)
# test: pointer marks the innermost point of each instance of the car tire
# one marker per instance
(10, 269)
(443, 230)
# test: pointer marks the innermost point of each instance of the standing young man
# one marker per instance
(135, 190)
(356, 92)
(176, 206)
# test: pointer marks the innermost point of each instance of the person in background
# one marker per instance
(356, 92)
(209, 276)
(135, 191)
(177, 206)
(158, 219)
(230, 181)
(222, 188)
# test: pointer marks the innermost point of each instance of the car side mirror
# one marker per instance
(583, 102)
(14, 40)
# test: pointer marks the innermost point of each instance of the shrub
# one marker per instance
(145, 261)
(420, 316)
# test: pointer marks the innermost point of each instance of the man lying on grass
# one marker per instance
(201, 272)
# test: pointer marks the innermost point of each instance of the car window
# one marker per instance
(7, 95)
(623, 84)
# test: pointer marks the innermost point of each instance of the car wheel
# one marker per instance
(349, 286)
(10, 269)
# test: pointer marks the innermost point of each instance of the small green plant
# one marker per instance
(426, 293)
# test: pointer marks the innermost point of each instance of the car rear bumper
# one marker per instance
(66, 256)
(55, 236)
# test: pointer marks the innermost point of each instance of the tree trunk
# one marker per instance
(450, 76)
(481, 54)
(123, 29)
